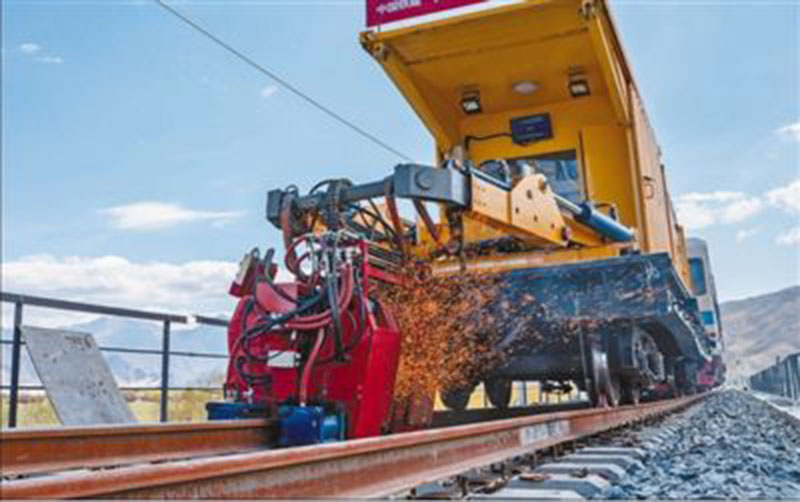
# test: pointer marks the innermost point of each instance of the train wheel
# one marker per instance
(499, 392)
(607, 397)
(686, 379)
(457, 399)
(598, 399)
(614, 391)
(631, 393)
(603, 392)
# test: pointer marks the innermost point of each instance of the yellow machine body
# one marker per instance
(562, 58)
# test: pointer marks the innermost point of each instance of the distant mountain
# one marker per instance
(144, 370)
(761, 328)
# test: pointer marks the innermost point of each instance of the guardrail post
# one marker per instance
(785, 380)
(165, 372)
(16, 353)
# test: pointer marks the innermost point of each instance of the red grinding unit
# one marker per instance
(294, 350)
(711, 374)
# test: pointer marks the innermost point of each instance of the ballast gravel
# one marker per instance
(731, 446)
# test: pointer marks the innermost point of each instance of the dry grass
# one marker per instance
(35, 409)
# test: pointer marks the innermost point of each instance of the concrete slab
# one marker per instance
(76, 377)
(613, 450)
(436, 490)
(624, 461)
(611, 472)
(532, 494)
(586, 487)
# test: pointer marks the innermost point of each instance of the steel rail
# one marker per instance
(57, 449)
(373, 467)
(44, 450)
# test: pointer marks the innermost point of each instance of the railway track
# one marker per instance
(229, 459)
(37, 451)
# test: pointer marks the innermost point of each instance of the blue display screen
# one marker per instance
(531, 128)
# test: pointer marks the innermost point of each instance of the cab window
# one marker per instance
(561, 170)
(698, 276)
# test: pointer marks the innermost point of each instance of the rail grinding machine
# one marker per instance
(547, 175)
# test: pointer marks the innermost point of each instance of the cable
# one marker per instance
(470, 139)
(289, 87)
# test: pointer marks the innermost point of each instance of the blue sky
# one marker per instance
(136, 154)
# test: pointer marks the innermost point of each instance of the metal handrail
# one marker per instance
(126, 350)
(22, 300)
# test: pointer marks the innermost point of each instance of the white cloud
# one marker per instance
(712, 196)
(786, 197)
(150, 215)
(699, 210)
(741, 209)
(34, 52)
(50, 59)
(694, 215)
(790, 131)
(191, 287)
(790, 237)
(744, 234)
(269, 91)
(29, 48)
(194, 287)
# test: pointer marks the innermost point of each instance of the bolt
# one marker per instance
(424, 180)
(542, 183)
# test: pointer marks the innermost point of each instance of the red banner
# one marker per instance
(386, 11)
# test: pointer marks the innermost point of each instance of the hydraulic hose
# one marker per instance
(315, 321)
(309, 366)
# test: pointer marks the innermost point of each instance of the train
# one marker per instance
(547, 178)
(712, 372)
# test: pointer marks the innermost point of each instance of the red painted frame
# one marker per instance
(386, 11)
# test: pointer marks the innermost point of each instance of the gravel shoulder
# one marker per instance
(732, 446)
(784, 404)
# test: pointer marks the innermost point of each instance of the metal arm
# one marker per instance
(424, 183)
(409, 181)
